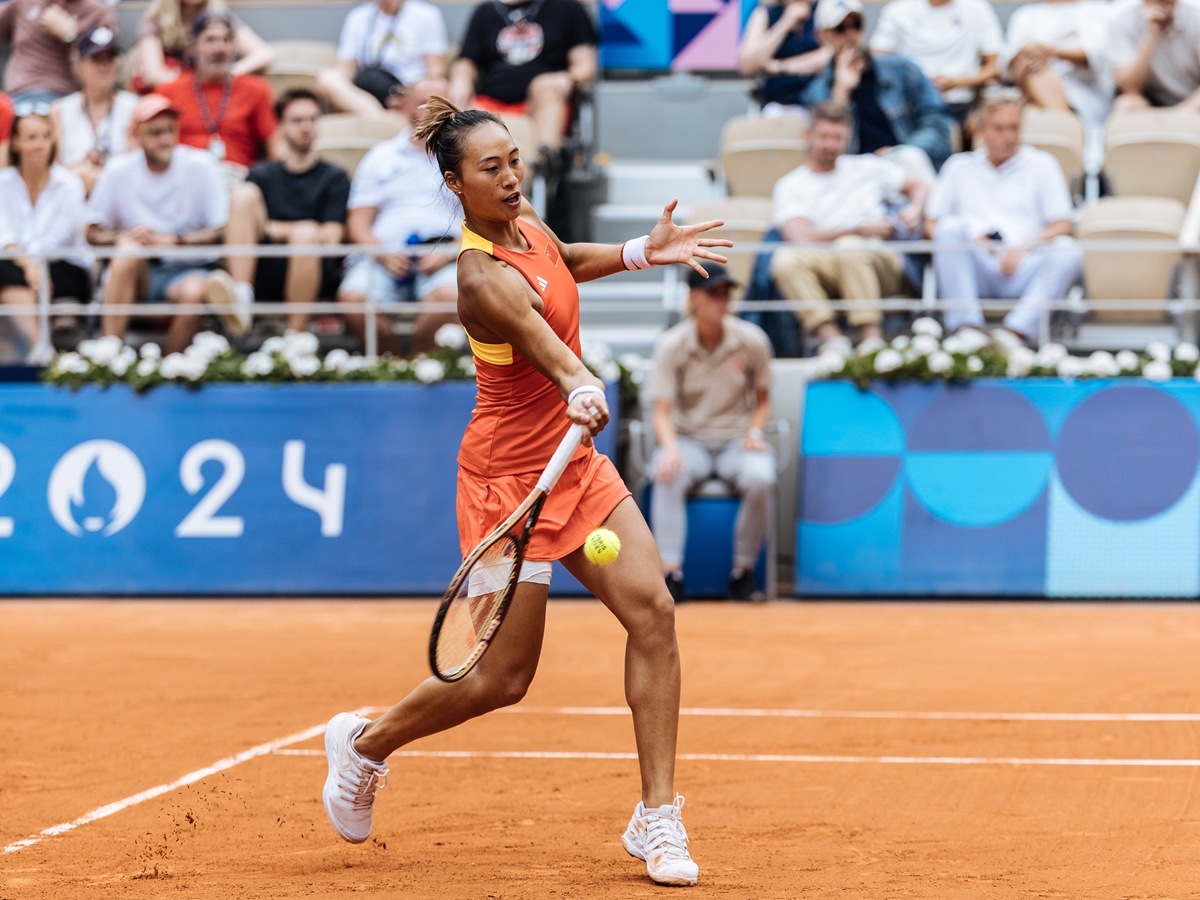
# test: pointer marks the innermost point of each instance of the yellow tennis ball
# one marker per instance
(602, 546)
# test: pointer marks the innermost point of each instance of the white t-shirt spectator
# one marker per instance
(56, 222)
(398, 43)
(404, 184)
(855, 192)
(1175, 64)
(1078, 25)
(942, 40)
(192, 193)
(1018, 199)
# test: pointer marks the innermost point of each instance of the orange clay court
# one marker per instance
(104, 700)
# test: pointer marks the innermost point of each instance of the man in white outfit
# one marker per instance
(1154, 48)
(1010, 193)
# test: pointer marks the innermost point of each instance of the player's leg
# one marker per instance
(633, 588)
(356, 749)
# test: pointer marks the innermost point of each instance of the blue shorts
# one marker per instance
(165, 274)
(369, 278)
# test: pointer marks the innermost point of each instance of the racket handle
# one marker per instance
(561, 457)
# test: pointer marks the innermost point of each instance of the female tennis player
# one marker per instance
(518, 299)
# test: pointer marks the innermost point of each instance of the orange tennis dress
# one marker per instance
(519, 420)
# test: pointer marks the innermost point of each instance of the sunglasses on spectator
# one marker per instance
(852, 22)
(31, 108)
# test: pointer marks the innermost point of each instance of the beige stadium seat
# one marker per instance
(746, 219)
(343, 139)
(297, 64)
(1113, 275)
(1155, 153)
(756, 152)
(1058, 133)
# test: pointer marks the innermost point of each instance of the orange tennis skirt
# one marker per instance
(589, 490)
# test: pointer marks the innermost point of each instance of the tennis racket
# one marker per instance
(480, 591)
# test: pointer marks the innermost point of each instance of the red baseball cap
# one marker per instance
(150, 106)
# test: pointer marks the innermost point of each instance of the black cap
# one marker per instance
(717, 276)
(205, 18)
(100, 39)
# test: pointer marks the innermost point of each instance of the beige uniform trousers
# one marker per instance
(820, 275)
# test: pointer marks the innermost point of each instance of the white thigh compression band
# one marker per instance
(535, 572)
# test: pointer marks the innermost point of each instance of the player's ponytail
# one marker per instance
(444, 130)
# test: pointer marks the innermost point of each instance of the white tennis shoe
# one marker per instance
(658, 837)
(350, 787)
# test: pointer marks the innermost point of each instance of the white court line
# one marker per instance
(785, 758)
(863, 714)
(219, 766)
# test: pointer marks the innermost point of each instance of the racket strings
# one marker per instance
(471, 613)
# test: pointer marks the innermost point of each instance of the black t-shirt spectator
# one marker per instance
(320, 194)
(512, 45)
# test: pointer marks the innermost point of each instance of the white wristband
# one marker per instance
(583, 389)
(633, 253)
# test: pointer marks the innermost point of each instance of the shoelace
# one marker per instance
(666, 834)
(361, 790)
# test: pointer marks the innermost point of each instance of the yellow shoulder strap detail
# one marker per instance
(472, 241)
(496, 354)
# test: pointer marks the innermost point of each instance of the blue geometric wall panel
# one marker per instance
(1037, 487)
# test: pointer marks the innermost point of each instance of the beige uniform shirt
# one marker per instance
(712, 391)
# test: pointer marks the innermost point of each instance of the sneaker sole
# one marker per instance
(330, 781)
(660, 879)
(223, 300)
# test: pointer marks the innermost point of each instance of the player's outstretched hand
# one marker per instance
(671, 243)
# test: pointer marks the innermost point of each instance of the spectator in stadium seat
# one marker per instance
(897, 110)
(1054, 53)
(384, 46)
(845, 199)
(711, 391)
(163, 42)
(955, 42)
(398, 198)
(780, 48)
(42, 35)
(232, 116)
(297, 199)
(93, 123)
(41, 209)
(1014, 193)
(162, 195)
(1154, 48)
(527, 57)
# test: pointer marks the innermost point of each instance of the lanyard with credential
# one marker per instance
(213, 126)
(376, 58)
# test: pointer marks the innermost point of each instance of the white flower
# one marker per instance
(1020, 361)
(273, 345)
(336, 359)
(939, 361)
(304, 366)
(634, 364)
(467, 364)
(73, 362)
(869, 346)
(1103, 364)
(839, 343)
(429, 370)
(925, 344)
(173, 366)
(1049, 356)
(596, 353)
(1071, 367)
(610, 371)
(828, 362)
(1158, 350)
(194, 367)
(926, 325)
(451, 335)
(299, 343)
(1157, 370)
(900, 342)
(101, 351)
(126, 358)
(210, 344)
(147, 367)
(888, 360)
(356, 363)
(974, 364)
(151, 350)
(1187, 352)
(972, 340)
(258, 364)
(1128, 361)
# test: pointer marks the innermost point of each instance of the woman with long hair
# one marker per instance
(163, 42)
(41, 209)
(519, 302)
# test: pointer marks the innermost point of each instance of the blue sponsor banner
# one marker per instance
(234, 489)
(1036, 487)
